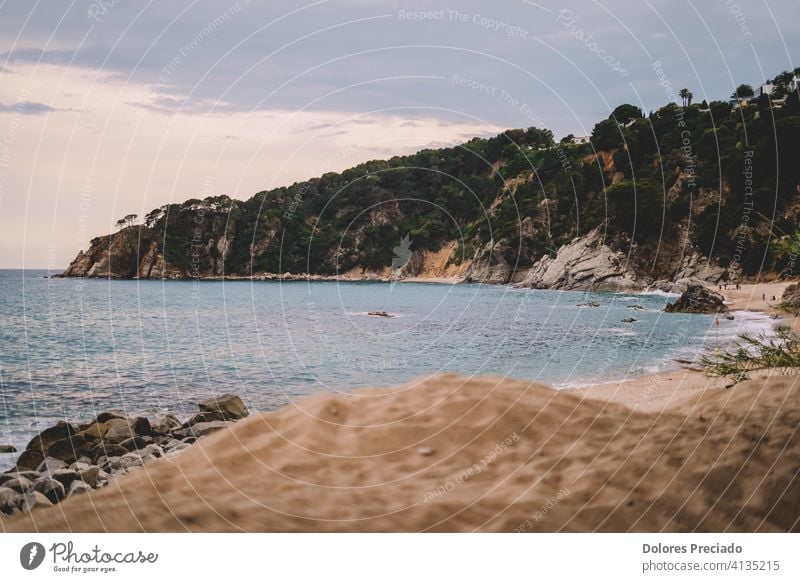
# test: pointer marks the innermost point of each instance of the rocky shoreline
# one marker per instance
(68, 458)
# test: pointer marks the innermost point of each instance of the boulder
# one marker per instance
(47, 437)
(65, 477)
(628, 320)
(30, 459)
(165, 424)
(50, 488)
(133, 444)
(130, 460)
(108, 450)
(89, 475)
(78, 487)
(70, 449)
(33, 499)
(8, 449)
(141, 426)
(8, 500)
(229, 405)
(117, 430)
(19, 484)
(104, 417)
(49, 465)
(204, 428)
(154, 450)
(698, 299)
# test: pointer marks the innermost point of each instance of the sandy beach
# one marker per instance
(669, 452)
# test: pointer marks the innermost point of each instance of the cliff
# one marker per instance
(631, 209)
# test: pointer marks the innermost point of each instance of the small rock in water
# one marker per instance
(379, 314)
(628, 320)
(229, 406)
(8, 449)
(589, 304)
(425, 451)
(636, 307)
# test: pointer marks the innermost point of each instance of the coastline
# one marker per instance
(673, 389)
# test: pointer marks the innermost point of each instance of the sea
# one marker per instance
(71, 348)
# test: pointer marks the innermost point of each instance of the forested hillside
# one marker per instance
(717, 180)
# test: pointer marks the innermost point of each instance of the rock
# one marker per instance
(30, 459)
(229, 405)
(204, 417)
(628, 320)
(89, 475)
(108, 450)
(117, 430)
(425, 451)
(111, 464)
(379, 314)
(8, 500)
(177, 449)
(171, 444)
(49, 465)
(133, 444)
(50, 488)
(489, 265)
(141, 426)
(729, 317)
(77, 488)
(589, 304)
(147, 459)
(586, 263)
(33, 499)
(190, 440)
(19, 484)
(8, 449)
(47, 437)
(69, 449)
(65, 477)
(204, 428)
(104, 417)
(636, 307)
(165, 424)
(130, 460)
(153, 450)
(678, 286)
(698, 299)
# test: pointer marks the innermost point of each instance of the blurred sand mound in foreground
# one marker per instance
(455, 454)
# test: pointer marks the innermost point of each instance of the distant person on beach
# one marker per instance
(763, 297)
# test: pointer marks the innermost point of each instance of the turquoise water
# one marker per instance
(71, 348)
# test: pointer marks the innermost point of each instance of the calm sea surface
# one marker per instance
(72, 348)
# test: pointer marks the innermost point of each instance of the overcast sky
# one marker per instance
(110, 107)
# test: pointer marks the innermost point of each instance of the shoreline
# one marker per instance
(670, 389)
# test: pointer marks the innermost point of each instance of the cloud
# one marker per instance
(27, 108)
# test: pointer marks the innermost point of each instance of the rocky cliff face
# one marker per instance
(586, 263)
(126, 254)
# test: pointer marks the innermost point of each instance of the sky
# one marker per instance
(112, 107)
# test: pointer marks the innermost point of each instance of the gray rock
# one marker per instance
(78, 487)
(154, 450)
(177, 449)
(111, 464)
(628, 320)
(8, 449)
(79, 466)
(204, 428)
(171, 444)
(8, 500)
(65, 476)
(117, 430)
(89, 475)
(230, 406)
(133, 444)
(33, 499)
(50, 488)
(19, 484)
(130, 460)
(586, 263)
(164, 424)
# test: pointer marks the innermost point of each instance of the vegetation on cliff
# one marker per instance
(719, 180)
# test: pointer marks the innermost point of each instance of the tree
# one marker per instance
(684, 94)
(625, 112)
(130, 219)
(607, 135)
(120, 223)
(743, 91)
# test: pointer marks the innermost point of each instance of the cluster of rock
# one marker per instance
(698, 299)
(69, 458)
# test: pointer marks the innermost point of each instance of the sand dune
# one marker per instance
(456, 454)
